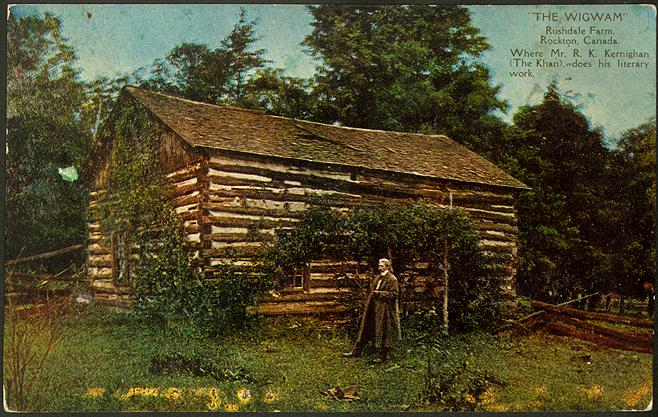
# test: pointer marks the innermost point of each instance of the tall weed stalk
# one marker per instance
(32, 331)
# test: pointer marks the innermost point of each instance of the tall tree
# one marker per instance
(198, 73)
(48, 129)
(271, 90)
(218, 76)
(242, 60)
(563, 227)
(408, 68)
(633, 209)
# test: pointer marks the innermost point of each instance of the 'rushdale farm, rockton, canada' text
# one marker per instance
(577, 41)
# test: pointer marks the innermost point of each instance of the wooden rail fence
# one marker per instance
(572, 322)
(23, 287)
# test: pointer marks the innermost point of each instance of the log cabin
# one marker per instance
(238, 175)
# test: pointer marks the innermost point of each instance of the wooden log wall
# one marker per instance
(248, 198)
(185, 191)
(99, 260)
(231, 205)
(186, 188)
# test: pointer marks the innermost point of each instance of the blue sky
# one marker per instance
(121, 38)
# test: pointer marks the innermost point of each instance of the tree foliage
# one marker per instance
(48, 127)
(564, 228)
(234, 73)
(276, 93)
(405, 68)
(632, 210)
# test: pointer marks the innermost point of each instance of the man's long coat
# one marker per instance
(380, 321)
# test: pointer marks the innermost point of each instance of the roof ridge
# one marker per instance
(203, 103)
(263, 113)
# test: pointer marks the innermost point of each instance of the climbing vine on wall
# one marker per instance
(406, 234)
(165, 287)
(135, 188)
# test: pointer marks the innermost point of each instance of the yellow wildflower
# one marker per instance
(244, 396)
(140, 392)
(172, 393)
(497, 407)
(541, 390)
(129, 393)
(214, 404)
(213, 394)
(487, 396)
(633, 397)
(231, 407)
(95, 392)
(270, 396)
(593, 392)
(150, 392)
(469, 398)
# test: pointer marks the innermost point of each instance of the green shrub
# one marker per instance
(316, 235)
(166, 287)
(456, 387)
(406, 234)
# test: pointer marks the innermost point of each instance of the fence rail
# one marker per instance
(24, 288)
(577, 323)
(44, 255)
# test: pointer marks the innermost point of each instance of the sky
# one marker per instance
(120, 38)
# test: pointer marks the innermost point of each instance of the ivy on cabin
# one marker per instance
(165, 286)
(311, 238)
(407, 234)
(168, 290)
(135, 190)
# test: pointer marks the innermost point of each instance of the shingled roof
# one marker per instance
(234, 129)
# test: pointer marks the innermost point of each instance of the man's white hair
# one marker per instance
(386, 262)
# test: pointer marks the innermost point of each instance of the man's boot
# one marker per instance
(383, 353)
(355, 353)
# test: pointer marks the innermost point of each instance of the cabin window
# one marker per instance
(300, 278)
(297, 278)
(120, 257)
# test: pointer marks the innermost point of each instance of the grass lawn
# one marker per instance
(104, 363)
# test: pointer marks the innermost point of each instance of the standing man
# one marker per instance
(380, 321)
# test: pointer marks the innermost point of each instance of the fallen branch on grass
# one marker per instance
(347, 394)
(566, 321)
(639, 338)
